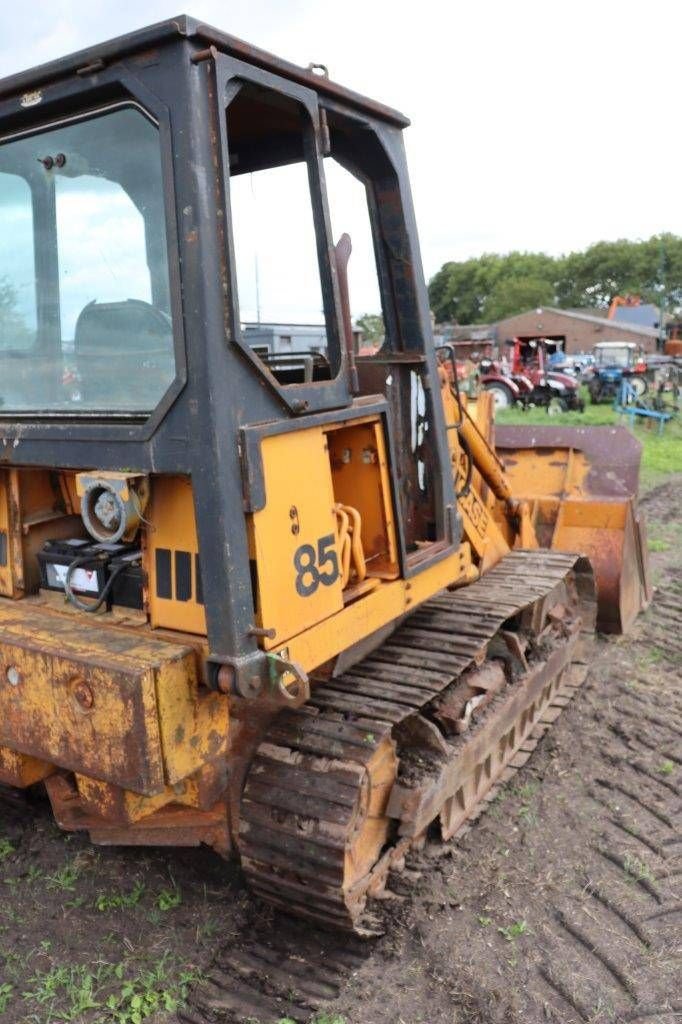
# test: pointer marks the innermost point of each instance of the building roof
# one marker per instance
(646, 315)
(205, 35)
(571, 314)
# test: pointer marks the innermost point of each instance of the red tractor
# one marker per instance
(529, 381)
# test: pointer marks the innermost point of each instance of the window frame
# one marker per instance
(232, 75)
(123, 425)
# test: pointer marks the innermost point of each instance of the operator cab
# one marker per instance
(188, 227)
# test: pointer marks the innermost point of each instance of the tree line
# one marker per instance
(491, 287)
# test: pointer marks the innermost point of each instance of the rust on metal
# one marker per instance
(339, 789)
(140, 692)
(581, 485)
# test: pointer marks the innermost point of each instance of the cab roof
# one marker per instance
(191, 29)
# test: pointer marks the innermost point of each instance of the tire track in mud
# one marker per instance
(634, 887)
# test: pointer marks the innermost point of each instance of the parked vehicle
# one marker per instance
(554, 389)
(613, 361)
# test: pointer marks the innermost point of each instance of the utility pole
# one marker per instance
(661, 314)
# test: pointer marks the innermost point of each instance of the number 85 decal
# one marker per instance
(316, 565)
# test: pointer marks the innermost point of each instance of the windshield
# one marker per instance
(616, 356)
(85, 320)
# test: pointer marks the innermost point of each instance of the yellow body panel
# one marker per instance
(295, 534)
(172, 541)
(361, 479)
(383, 606)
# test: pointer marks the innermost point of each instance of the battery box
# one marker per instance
(98, 562)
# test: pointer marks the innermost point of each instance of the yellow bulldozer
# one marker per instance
(293, 606)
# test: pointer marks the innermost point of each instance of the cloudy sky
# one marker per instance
(536, 125)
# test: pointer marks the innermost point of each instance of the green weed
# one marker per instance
(666, 768)
(65, 878)
(167, 899)
(514, 931)
(6, 848)
(527, 790)
(120, 900)
(6, 991)
(528, 815)
(73, 987)
(637, 869)
(67, 993)
(484, 921)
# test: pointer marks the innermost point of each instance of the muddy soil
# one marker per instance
(563, 903)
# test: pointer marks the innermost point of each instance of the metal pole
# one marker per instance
(661, 315)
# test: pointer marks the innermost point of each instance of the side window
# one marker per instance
(364, 198)
(349, 213)
(278, 253)
(18, 318)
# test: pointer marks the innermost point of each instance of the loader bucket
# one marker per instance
(582, 485)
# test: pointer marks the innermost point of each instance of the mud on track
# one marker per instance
(563, 903)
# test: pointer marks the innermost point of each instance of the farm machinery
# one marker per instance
(615, 361)
(530, 381)
(302, 620)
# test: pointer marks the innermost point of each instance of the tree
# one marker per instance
(13, 330)
(494, 286)
(372, 327)
(651, 269)
(514, 294)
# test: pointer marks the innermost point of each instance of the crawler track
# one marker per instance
(420, 731)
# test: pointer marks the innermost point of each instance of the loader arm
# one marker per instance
(563, 488)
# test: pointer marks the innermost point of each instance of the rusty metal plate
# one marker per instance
(103, 702)
(611, 455)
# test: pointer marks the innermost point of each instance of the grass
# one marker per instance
(65, 878)
(6, 848)
(125, 992)
(5, 995)
(120, 900)
(167, 899)
(637, 869)
(661, 454)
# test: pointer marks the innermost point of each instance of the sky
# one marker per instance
(535, 125)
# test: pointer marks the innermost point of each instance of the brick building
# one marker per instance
(577, 330)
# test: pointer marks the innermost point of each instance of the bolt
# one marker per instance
(83, 695)
(13, 675)
(226, 677)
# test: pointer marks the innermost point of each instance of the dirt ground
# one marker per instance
(563, 903)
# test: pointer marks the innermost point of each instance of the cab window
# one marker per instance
(85, 318)
(285, 305)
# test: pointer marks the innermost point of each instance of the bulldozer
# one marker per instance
(299, 610)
